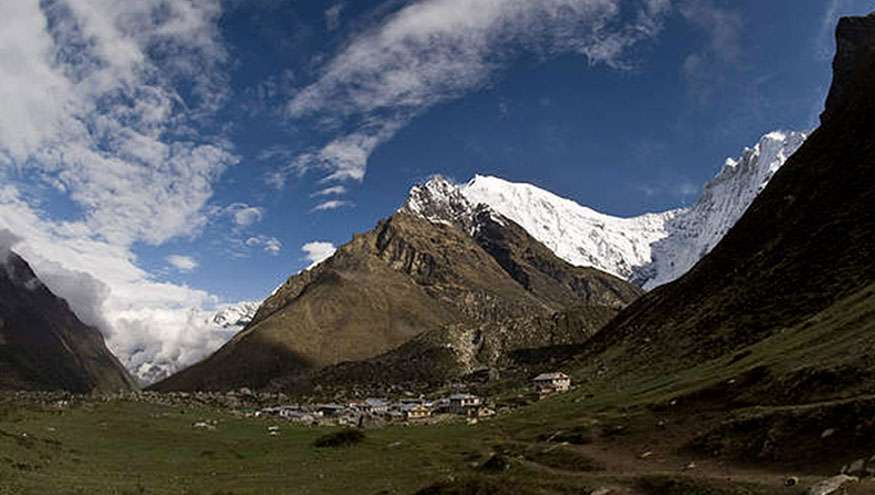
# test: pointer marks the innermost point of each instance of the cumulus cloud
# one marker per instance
(270, 245)
(243, 214)
(318, 251)
(431, 51)
(182, 263)
(90, 103)
(111, 104)
(154, 327)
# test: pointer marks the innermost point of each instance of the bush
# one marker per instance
(344, 438)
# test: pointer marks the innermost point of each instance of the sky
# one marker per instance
(160, 159)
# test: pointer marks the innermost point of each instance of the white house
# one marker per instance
(376, 406)
(548, 383)
(463, 403)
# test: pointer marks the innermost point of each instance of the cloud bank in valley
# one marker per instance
(92, 108)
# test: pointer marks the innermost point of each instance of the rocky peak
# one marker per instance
(855, 42)
(438, 200)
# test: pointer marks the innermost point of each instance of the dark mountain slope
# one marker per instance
(43, 345)
(775, 289)
(406, 278)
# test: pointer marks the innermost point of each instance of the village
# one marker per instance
(368, 412)
(375, 411)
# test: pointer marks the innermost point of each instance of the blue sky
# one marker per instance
(623, 141)
(160, 157)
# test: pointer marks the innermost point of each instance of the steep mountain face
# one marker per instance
(476, 289)
(648, 250)
(43, 345)
(788, 295)
(577, 234)
(693, 232)
(234, 317)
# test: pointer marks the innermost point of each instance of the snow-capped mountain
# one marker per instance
(235, 316)
(724, 200)
(650, 249)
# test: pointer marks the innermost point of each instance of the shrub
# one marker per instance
(343, 438)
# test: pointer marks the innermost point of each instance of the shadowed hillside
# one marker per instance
(790, 290)
(43, 345)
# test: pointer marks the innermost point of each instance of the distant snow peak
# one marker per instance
(234, 316)
(650, 249)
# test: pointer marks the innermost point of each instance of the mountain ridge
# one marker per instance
(650, 249)
(485, 279)
(787, 295)
(43, 344)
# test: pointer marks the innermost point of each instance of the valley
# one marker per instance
(492, 338)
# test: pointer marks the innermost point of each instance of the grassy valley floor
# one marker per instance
(569, 444)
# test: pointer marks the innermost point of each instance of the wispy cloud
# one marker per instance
(332, 16)
(330, 191)
(703, 69)
(318, 251)
(182, 263)
(332, 204)
(432, 51)
(679, 188)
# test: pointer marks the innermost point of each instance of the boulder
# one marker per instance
(830, 485)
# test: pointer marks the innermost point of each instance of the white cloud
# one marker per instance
(154, 327)
(8, 239)
(91, 106)
(90, 103)
(270, 245)
(318, 251)
(182, 263)
(243, 214)
(332, 204)
(330, 191)
(431, 51)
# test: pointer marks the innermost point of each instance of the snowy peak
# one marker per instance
(234, 316)
(650, 249)
(438, 200)
(696, 231)
(577, 234)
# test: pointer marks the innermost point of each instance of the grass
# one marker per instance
(135, 448)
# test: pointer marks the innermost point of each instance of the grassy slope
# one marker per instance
(123, 447)
(789, 287)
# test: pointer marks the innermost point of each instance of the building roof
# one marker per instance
(463, 396)
(556, 375)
